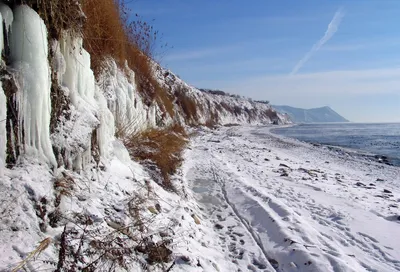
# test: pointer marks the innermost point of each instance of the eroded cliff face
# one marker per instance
(60, 110)
(60, 156)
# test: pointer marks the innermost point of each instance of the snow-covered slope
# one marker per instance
(221, 109)
(70, 188)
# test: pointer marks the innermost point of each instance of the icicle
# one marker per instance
(3, 137)
(29, 53)
(7, 15)
(1, 34)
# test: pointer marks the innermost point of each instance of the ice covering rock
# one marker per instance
(7, 15)
(2, 129)
(29, 53)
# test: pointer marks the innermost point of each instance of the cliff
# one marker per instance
(65, 162)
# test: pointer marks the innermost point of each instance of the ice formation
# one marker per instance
(7, 15)
(2, 111)
(2, 129)
(29, 52)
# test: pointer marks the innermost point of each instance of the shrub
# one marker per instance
(58, 15)
(108, 33)
(187, 104)
(162, 147)
(104, 33)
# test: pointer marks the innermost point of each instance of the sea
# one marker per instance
(379, 139)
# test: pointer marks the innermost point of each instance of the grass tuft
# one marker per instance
(34, 254)
(163, 147)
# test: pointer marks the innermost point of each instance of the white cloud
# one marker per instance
(331, 30)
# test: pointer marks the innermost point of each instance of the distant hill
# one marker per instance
(316, 115)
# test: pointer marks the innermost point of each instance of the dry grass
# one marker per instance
(163, 147)
(59, 15)
(34, 254)
(104, 33)
(108, 33)
(187, 104)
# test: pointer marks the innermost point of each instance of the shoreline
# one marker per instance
(294, 204)
(367, 155)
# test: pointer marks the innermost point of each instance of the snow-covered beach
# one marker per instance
(246, 200)
(270, 203)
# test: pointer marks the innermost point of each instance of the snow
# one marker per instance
(28, 43)
(240, 110)
(295, 206)
(246, 200)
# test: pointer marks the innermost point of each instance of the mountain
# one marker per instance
(315, 115)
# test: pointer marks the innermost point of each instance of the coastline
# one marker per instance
(368, 155)
(294, 204)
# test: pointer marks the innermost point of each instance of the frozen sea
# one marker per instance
(382, 139)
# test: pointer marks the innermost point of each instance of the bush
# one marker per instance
(58, 15)
(187, 104)
(162, 147)
(108, 33)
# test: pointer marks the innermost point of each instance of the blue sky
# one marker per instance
(343, 54)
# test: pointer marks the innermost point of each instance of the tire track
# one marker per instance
(244, 222)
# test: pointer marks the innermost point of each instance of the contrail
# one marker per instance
(330, 31)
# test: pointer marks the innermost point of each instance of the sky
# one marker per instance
(342, 54)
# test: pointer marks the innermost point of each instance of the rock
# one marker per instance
(218, 226)
(284, 174)
(266, 159)
(371, 184)
(284, 165)
(360, 184)
(117, 208)
(277, 158)
(81, 197)
(379, 179)
(274, 263)
(383, 196)
(387, 191)
(158, 207)
(184, 259)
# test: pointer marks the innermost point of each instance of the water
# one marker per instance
(381, 139)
